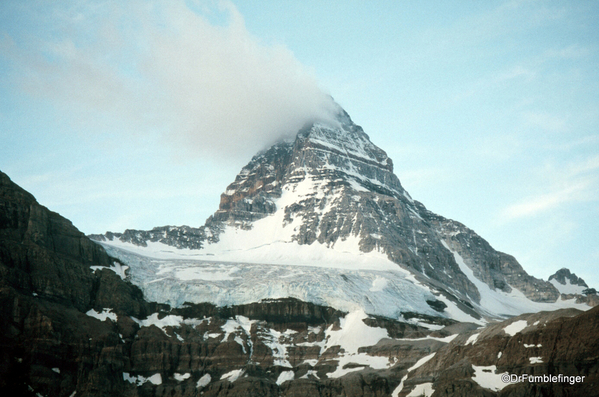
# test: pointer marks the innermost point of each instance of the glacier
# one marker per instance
(388, 293)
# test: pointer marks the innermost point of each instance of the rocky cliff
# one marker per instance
(329, 193)
(544, 354)
(71, 324)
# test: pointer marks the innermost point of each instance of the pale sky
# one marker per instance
(139, 115)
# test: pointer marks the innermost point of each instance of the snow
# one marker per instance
(421, 362)
(472, 339)
(272, 339)
(418, 364)
(192, 273)
(536, 360)
(455, 313)
(399, 388)
(532, 345)
(139, 380)
(57, 370)
(499, 355)
(103, 315)
(486, 377)
(423, 389)
(497, 302)
(308, 373)
(446, 339)
(567, 288)
(224, 283)
(204, 381)
(116, 267)
(379, 284)
(232, 376)
(285, 376)
(182, 377)
(232, 271)
(515, 327)
(270, 241)
(352, 335)
(234, 326)
(166, 321)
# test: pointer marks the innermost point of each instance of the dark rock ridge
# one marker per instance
(564, 342)
(71, 324)
(354, 193)
(567, 279)
(564, 275)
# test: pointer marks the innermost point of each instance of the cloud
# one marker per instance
(543, 203)
(579, 182)
(162, 66)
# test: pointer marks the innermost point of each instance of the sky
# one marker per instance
(138, 114)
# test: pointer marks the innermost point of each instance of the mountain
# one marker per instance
(325, 216)
(72, 324)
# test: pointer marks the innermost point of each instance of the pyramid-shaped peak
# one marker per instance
(329, 199)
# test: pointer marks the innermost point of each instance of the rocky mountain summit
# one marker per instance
(329, 198)
(72, 324)
(564, 277)
(571, 286)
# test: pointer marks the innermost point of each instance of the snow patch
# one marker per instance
(472, 340)
(567, 288)
(182, 377)
(103, 315)
(515, 327)
(532, 345)
(232, 376)
(422, 390)
(162, 323)
(204, 381)
(285, 376)
(116, 267)
(139, 380)
(486, 377)
(535, 360)
(497, 302)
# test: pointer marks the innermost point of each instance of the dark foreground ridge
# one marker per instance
(72, 325)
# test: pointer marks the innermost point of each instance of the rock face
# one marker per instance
(72, 324)
(572, 287)
(332, 185)
(565, 277)
(559, 348)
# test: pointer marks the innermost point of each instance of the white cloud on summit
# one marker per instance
(161, 66)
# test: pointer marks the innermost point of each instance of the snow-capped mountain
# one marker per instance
(323, 218)
(74, 324)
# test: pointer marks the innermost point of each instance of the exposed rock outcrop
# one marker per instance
(331, 184)
(545, 345)
(564, 276)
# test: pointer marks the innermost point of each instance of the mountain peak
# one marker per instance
(329, 200)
